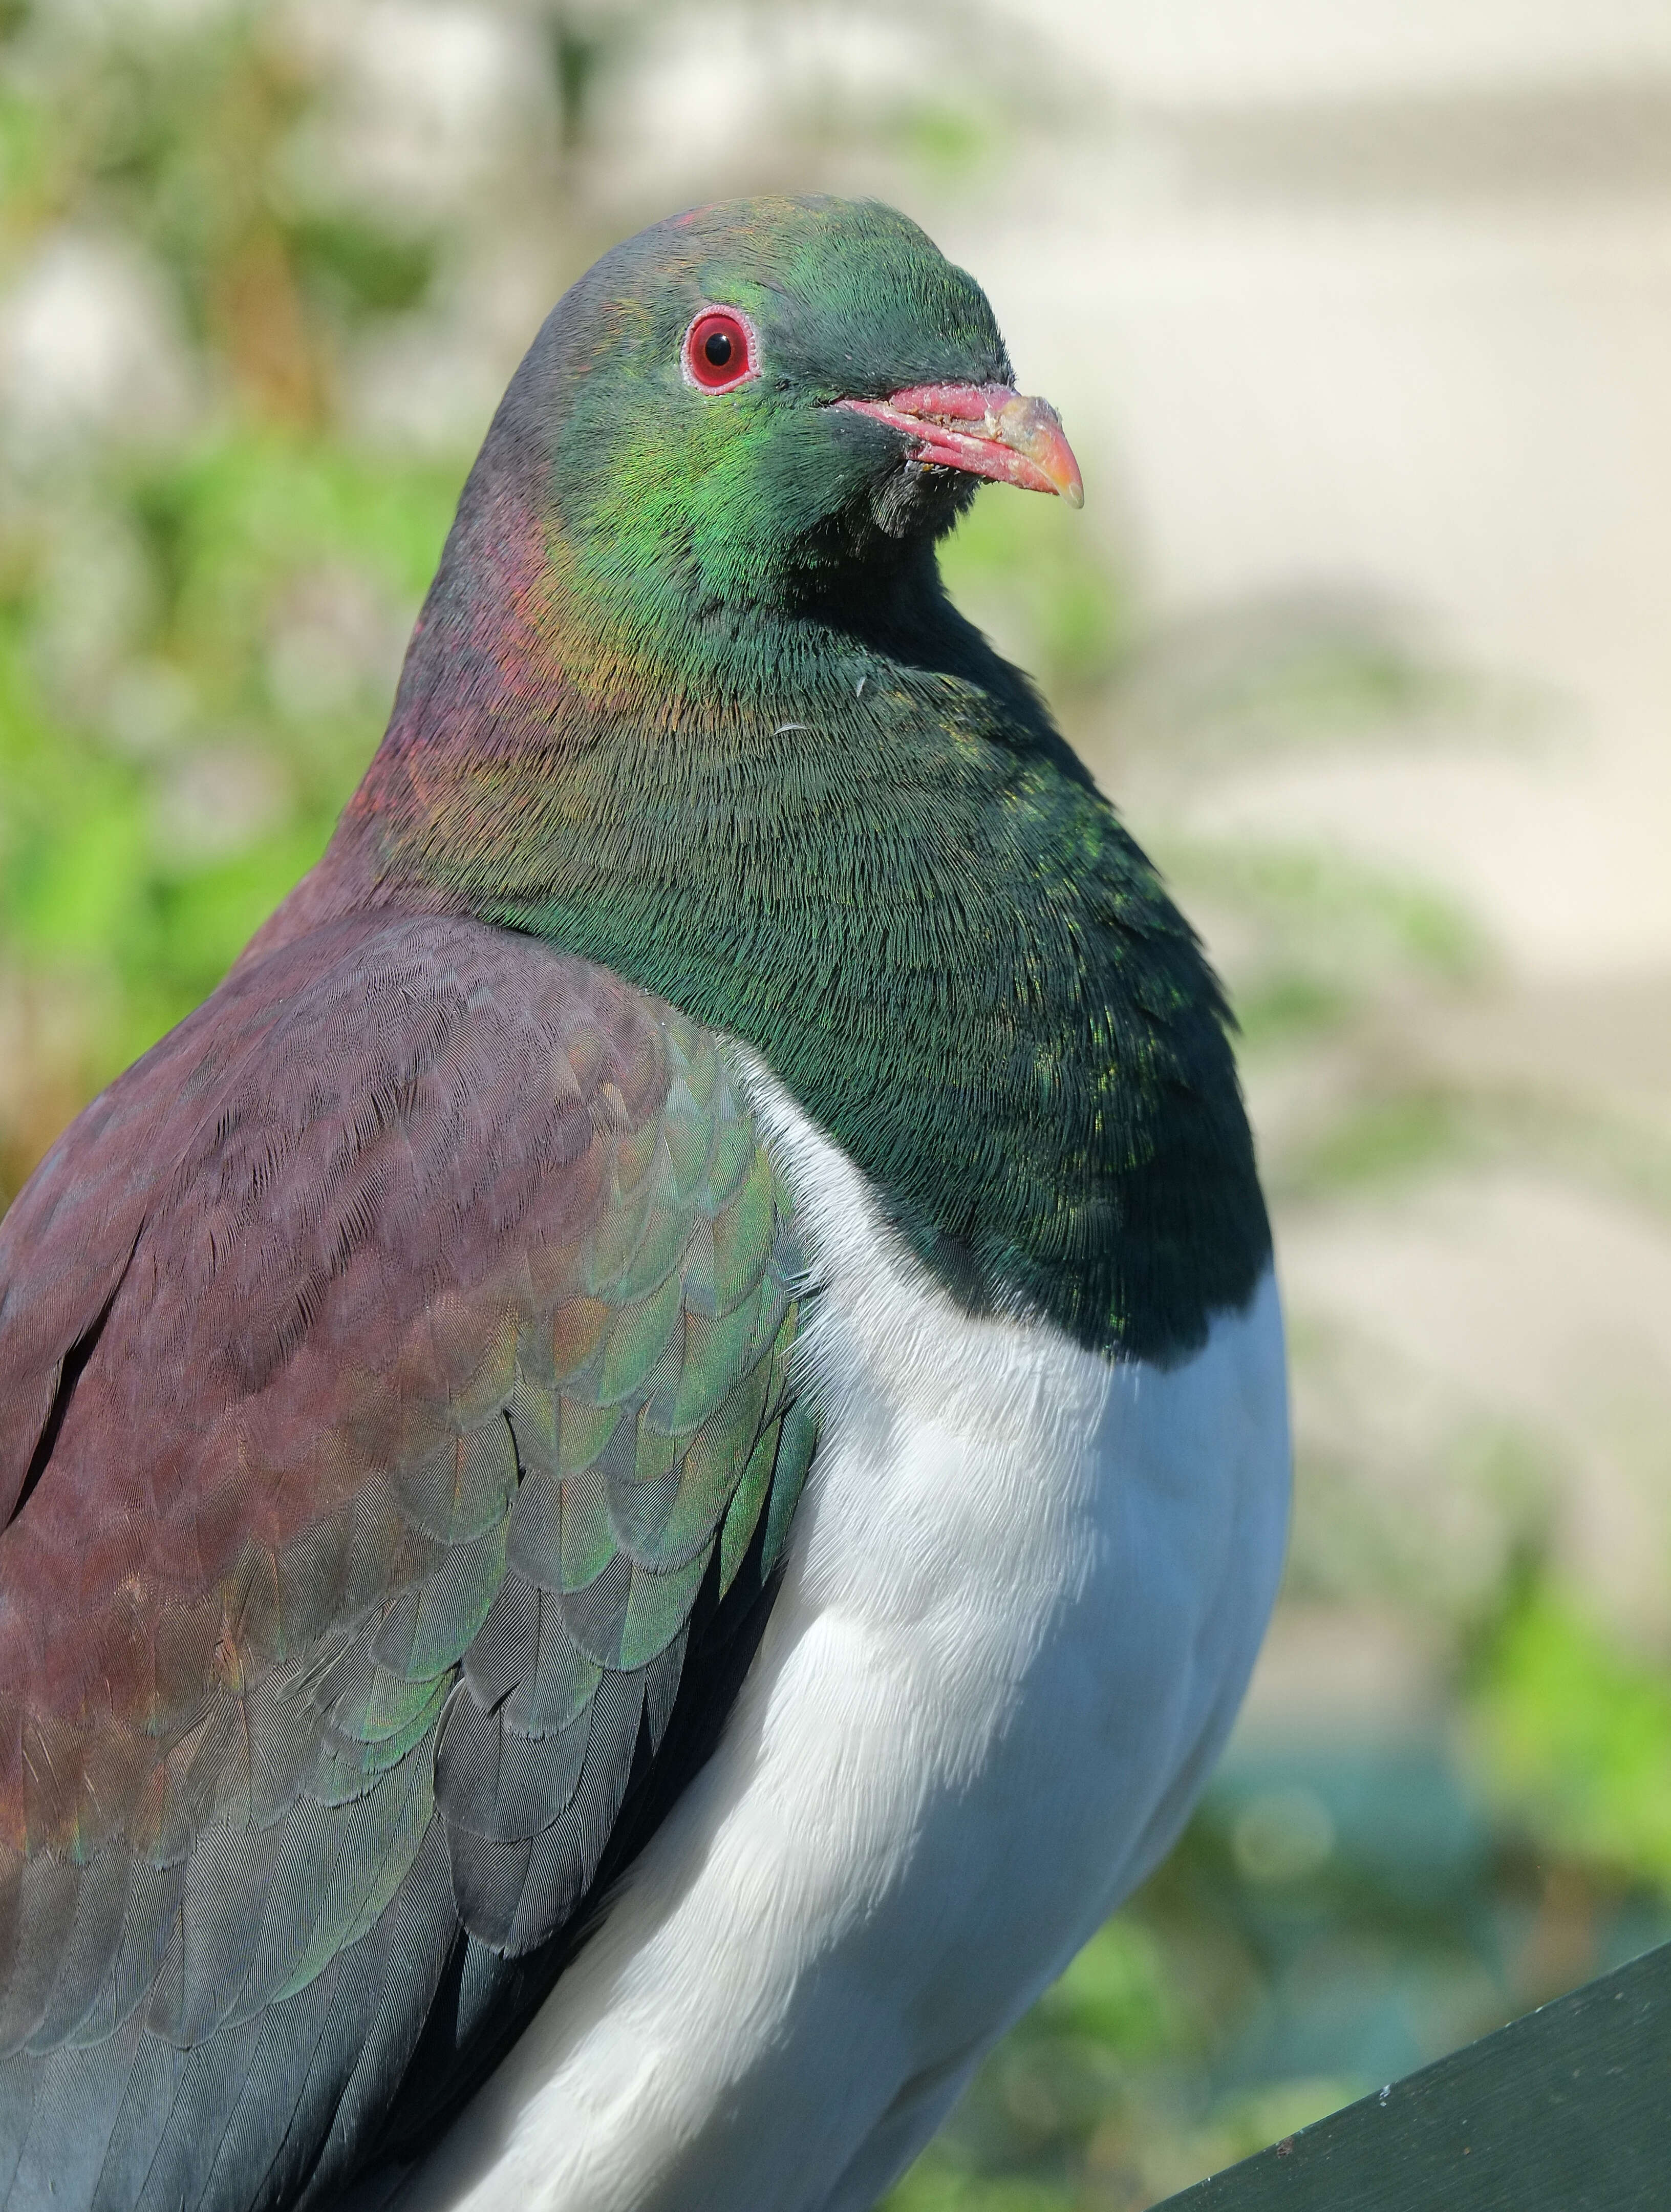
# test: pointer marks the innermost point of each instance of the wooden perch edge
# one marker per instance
(1568, 2110)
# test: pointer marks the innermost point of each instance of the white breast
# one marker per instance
(1025, 1590)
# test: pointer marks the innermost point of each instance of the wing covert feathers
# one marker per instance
(399, 1359)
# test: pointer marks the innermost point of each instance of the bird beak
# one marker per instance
(985, 430)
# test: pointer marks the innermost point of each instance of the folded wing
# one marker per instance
(399, 1428)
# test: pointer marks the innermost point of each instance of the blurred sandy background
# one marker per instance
(1360, 315)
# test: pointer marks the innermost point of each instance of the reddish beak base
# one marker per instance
(985, 430)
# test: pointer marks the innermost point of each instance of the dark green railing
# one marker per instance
(1568, 2110)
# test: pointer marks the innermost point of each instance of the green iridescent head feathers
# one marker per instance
(750, 494)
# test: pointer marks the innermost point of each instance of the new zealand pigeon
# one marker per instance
(645, 1464)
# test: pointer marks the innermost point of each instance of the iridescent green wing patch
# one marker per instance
(660, 1442)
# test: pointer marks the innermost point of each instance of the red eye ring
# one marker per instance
(720, 350)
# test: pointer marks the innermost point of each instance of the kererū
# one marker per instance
(644, 1465)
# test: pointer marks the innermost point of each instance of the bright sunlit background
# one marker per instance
(1360, 315)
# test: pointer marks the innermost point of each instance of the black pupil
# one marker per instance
(718, 347)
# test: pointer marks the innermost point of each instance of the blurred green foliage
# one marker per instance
(148, 829)
(212, 543)
(203, 595)
(1575, 1729)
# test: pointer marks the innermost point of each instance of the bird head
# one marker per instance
(751, 404)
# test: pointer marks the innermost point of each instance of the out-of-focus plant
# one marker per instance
(1575, 1731)
(155, 809)
(204, 593)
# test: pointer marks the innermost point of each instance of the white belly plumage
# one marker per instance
(1024, 1589)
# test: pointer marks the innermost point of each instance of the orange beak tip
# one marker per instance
(984, 430)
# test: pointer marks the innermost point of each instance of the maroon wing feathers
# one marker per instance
(340, 1349)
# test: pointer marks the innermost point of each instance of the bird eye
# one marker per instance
(720, 350)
